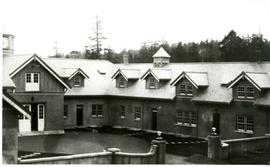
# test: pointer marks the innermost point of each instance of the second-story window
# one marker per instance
(137, 113)
(32, 82)
(185, 90)
(245, 92)
(151, 83)
(77, 81)
(121, 82)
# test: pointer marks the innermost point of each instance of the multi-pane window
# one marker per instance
(122, 111)
(41, 111)
(65, 111)
(245, 92)
(27, 108)
(121, 82)
(186, 118)
(152, 84)
(32, 82)
(77, 81)
(137, 113)
(97, 110)
(244, 123)
(185, 90)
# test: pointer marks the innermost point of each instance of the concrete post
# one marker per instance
(161, 149)
(214, 145)
(113, 151)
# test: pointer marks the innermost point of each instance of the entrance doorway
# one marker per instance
(216, 122)
(79, 111)
(154, 119)
(37, 121)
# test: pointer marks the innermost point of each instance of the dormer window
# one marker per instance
(185, 90)
(122, 83)
(245, 92)
(77, 81)
(152, 84)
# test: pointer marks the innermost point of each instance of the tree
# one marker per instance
(97, 38)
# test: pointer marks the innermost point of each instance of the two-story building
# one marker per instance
(183, 98)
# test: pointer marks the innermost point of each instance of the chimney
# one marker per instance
(125, 59)
(8, 47)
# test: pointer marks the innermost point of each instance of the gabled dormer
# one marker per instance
(155, 78)
(125, 77)
(74, 76)
(187, 84)
(249, 85)
(34, 75)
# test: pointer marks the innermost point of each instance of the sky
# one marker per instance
(127, 24)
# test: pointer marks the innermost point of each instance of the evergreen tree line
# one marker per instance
(231, 48)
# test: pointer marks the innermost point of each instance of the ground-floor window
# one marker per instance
(137, 113)
(244, 123)
(97, 110)
(186, 118)
(65, 111)
(122, 111)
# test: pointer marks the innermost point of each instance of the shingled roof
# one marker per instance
(102, 84)
(161, 53)
(159, 74)
(197, 79)
(127, 73)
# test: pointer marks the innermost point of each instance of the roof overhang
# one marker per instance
(14, 104)
(38, 59)
(78, 71)
(148, 72)
(119, 72)
(181, 76)
(245, 76)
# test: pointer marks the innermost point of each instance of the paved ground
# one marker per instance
(81, 142)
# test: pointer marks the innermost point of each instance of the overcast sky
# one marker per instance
(37, 24)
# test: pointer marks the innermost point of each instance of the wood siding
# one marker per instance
(47, 82)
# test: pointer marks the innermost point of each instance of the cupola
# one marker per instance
(161, 58)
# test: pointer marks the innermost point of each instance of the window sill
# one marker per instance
(97, 116)
(137, 119)
(184, 96)
(122, 117)
(244, 132)
(244, 100)
(191, 126)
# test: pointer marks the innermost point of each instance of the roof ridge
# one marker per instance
(256, 72)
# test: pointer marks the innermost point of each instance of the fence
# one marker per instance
(156, 155)
(218, 149)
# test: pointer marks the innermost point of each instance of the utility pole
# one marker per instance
(97, 47)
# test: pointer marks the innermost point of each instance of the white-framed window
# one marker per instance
(28, 108)
(32, 81)
(152, 83)
(137, 113)
(186, 118)
(244, 123)
(122, 112)
(97, 110)
(77, 81)
(245, 92)
(65, 114)
(185, 90)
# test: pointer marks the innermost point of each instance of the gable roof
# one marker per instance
(161, 53)
(71, 72)
(158, 74)
(127, 73)
(197, 79)
(6, 80)
(48, 68)
(10, 100)
(259, 80)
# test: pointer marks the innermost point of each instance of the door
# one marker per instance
(24, 122)
(34, 118)
(41, 115)
(154, 119)
(79, 111)
(216, 122)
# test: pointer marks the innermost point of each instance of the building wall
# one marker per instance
(54, 107)
(87, 103)
(47, 82)
(9, 134)
(228, 115)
